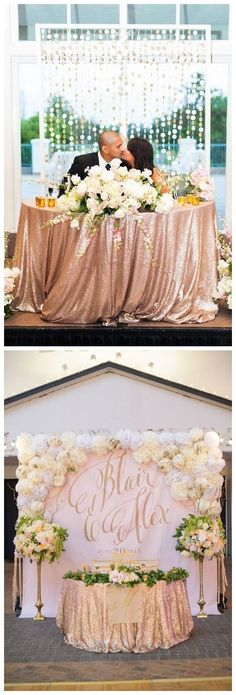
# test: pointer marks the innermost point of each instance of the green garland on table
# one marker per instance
(149, 578)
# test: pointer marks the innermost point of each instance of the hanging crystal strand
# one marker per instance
(169, 112)
(156, 107)
(132, 104)
(193, 110)
(144, 106)
(175, 106)
(94, 82)
(163, 136)
(200, 117)
(114, 81)
(100, 97)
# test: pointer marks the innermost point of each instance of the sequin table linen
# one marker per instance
(165, 268)
(82, 617)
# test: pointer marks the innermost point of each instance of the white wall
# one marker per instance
(112, 401)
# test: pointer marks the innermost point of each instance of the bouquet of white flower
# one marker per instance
(116, 192)
(224, 286)
(200, 536)
(39, 540)
(10, 274)
(200, 183)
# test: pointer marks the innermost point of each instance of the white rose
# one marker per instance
(75, 179)
(81, 188)
(179, 491)
(166, 437)
(164, 464)
(74, 224)
(178, 461)
(107, 175)
(119, 214)
(150, 436)
(183, 437)
(202, 482)
(36, 507)
(24, 441)
(165, 203)
(40, 443)
(115, 163)
(84, 441)
(59, 480)
(68, 439)
(63, 203)
(129, 439)
(78, 456)
(25, 487)
(15, 272)
(212, 440)
(196, 434)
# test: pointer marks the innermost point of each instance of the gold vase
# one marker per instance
(201, 601)
(39, 603)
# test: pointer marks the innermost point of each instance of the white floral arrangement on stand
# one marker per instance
(191, 461)
(10, 275)
(38, 539)
(224, 267)
(116, 192)
(200, 536)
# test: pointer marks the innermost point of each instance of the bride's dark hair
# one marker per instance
(142, 152)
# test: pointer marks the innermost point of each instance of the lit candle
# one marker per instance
(40, 201)
(51, 202)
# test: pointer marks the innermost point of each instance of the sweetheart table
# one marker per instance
(157, 267)
(83, 617)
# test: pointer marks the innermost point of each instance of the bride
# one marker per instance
(139, 154)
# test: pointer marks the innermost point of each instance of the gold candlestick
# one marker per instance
(201, 601)
(39, 603)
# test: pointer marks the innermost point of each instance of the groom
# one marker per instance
(111, 147)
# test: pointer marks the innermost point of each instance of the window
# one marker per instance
(29, 15)
(151, 14)
(216, 15)
(95, 14)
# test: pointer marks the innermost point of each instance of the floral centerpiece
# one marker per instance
(127, 575)
(39, 540)
(197, 183)
(10, 275)
(200, 536)
(200, 183)
(116, 192)
(224, 286)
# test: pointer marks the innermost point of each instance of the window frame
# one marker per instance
(20, 51)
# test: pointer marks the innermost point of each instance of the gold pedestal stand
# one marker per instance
(39, 603)
(201, 601)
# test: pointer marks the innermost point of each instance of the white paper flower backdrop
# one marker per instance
(191, 461)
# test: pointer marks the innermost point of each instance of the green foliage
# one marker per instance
(29, 128)
(149, 578)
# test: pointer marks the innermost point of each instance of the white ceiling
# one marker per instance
(207, 370)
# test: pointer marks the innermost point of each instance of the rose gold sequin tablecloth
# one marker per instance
(164, 269)
(82, 617)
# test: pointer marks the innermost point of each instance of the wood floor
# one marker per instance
(28, 319)
(185, 685)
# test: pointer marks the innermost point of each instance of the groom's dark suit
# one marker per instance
(83, 162)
